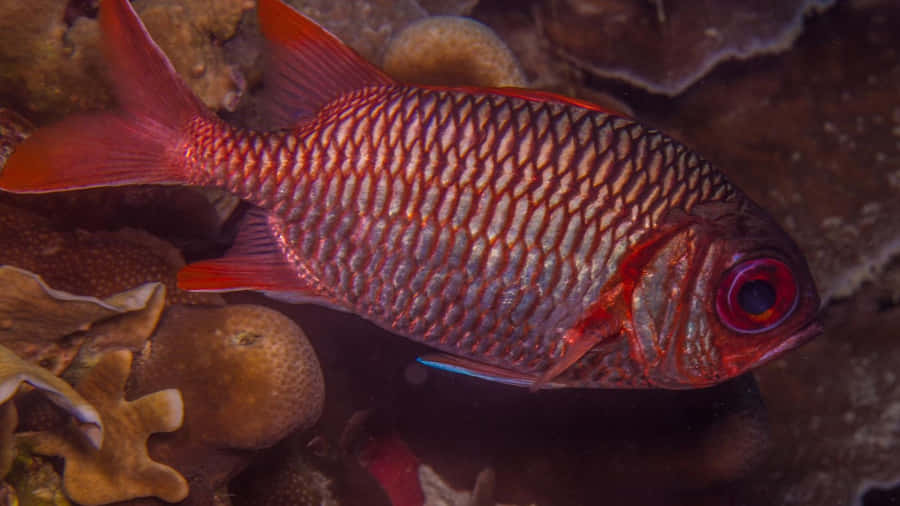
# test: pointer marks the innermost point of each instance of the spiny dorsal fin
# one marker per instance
(306, 65)
(534, 96)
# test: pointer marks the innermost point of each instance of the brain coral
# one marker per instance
(247, 374)
(452, 50)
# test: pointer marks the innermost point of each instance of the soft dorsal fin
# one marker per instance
(306, 65)
(534, 96)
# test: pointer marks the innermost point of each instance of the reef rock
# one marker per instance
(664, 46)
(448, 7)
(813, 135)
(366, 26)
(835, 412)
(13, 130)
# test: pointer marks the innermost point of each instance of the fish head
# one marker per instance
(727, 291)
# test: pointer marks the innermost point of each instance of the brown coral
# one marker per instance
(90, 263)
(248, 376)
(52, 69)
(121, 468)
(47, 326)
(14, 371)
(249, 365)
(452, 50)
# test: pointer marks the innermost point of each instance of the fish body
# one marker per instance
(540, 241)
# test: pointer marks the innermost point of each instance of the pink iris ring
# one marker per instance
(731, 304)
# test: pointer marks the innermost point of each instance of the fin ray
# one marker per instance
(254, 262)
(534, 96)
(306, 66)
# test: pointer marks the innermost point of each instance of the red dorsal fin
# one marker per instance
(306, 65)
(534, 96)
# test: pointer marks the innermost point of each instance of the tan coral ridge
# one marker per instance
(50, 327)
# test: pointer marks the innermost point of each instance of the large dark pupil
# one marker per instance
(756, 297)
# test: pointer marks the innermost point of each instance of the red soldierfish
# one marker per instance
(538, 240)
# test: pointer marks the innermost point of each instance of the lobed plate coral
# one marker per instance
(665, 46)
(50, 327)
(814, 136)
(838, 410)
(14, 371)
(120, 469)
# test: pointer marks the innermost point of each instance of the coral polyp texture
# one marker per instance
(248, 365)
(90, 263)
(121, 468)
(248, 377)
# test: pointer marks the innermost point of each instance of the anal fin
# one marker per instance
(254, 262)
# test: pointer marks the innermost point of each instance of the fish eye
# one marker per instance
(756, 295)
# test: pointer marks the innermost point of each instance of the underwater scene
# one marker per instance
(449, 252)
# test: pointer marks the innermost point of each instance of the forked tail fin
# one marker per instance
(142, 142)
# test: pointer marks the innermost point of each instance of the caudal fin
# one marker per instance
(142, 142)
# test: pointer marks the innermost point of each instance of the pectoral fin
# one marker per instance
(578, 349)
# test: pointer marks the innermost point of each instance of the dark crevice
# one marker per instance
(878, 496)
(80, 9)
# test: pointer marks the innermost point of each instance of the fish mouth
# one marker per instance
(798, 338)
